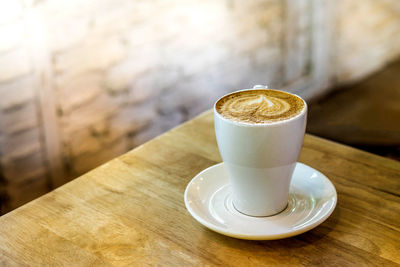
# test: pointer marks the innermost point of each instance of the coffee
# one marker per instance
(259, 106)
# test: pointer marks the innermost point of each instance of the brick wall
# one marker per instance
(84, 81)
(24, 173)
(367, 37)
(115, 74)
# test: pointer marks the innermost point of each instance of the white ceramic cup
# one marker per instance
(260, 160)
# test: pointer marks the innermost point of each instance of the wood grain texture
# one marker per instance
(130, 211)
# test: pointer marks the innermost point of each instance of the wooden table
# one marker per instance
(130, 211)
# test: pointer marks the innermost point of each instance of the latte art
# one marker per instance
(259, 106)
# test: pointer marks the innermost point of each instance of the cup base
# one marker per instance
(260, 216)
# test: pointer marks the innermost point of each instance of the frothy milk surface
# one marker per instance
(259, 106)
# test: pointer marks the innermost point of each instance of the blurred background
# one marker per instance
(82, 82)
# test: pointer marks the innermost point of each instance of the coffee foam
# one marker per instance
(259, 106)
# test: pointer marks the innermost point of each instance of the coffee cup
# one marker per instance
(260, 134)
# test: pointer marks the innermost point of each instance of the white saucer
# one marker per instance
(312, 199)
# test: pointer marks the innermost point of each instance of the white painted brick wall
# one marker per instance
(89, 56)
(11, 35)
(368, 37)
(78, 91)
(16, 92)
(14, 64)
(10, 11)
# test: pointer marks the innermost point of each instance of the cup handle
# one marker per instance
(259, 86)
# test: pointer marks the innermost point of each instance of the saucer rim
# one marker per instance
(260, 237)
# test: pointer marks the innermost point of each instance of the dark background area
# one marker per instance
(365, 115)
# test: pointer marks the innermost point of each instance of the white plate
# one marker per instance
(312, 199)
